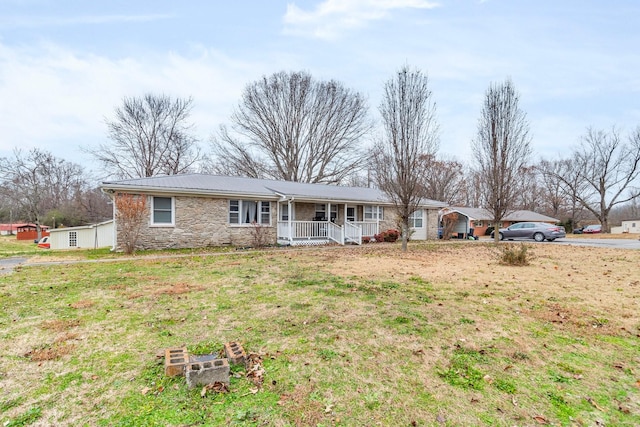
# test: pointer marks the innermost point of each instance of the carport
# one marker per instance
(461, 229)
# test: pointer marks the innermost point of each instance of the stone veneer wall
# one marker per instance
(432, 224)
(201, 222)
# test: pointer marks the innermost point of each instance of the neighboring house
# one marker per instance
(475, 221)
(188, 211)
(30, 231)
(628, 226)
(86, 237)
(8, 229)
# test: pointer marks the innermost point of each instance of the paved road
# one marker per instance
(602, 243)
(598, 243)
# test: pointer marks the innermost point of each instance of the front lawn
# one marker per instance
(442, 335)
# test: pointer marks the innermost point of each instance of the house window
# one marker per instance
(477, 223)
(373, 213)
(284, 212)
(162, 211)
(321, 212)
(351, 213)
(249, 212)
(415, 219)
(73, 239)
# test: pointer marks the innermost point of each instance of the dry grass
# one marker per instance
(60, 325)
(441, 335)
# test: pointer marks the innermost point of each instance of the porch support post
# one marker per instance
(329, 211)
(289, 215)
(344, 220)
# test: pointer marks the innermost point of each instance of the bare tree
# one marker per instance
(605, 172)
(149, 136)
(444, 180)
(289, 126)
(562, 183)
(530, 194)
(37, 182)
(131, 211)
(501, 149)
(410, 141)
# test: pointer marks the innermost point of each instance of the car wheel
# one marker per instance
(538, 237)
(501, 236)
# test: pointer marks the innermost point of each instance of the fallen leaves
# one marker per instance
(594, 404)
(255, 371)
(217, 387)
(541, 420)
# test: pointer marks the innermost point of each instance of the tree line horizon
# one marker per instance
(290, 126)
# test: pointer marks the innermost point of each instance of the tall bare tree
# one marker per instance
(501, 149)
(444, 179)
(562, 182)
(37, 182)
(605, 172)
(149, 136)
(289, 126)
(410, 141)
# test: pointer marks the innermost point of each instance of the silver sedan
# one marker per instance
(538, 231)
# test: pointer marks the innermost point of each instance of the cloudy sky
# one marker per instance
(66, 64)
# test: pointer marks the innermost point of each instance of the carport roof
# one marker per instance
(479, 214)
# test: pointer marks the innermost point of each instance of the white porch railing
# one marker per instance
(319, 230)
(335, 233)
(302, 230)
(369, 229)
(352, 233)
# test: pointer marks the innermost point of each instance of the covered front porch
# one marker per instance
(306, 223)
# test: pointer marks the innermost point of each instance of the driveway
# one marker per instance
(8, 264)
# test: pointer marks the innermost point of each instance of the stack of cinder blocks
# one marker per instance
(202, 370)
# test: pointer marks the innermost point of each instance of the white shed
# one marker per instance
(629, 226)
(86, 237)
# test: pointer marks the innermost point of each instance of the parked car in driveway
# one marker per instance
(538, 231)
(592, 229)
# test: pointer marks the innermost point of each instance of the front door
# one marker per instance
(418, 226)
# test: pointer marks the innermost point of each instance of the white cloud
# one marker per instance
(332, 17)
(56, 99)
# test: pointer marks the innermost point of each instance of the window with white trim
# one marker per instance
(351, 213)
(321, 212)
(73, 239)
(249, 212)
(372, 213)
(415, 219)
(477, 223)
(162, 211)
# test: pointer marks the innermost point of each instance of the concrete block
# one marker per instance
(203, 373)
(175, 361)
(235, 353)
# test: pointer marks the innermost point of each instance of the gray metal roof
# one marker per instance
(201, 184)
(516, 216)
